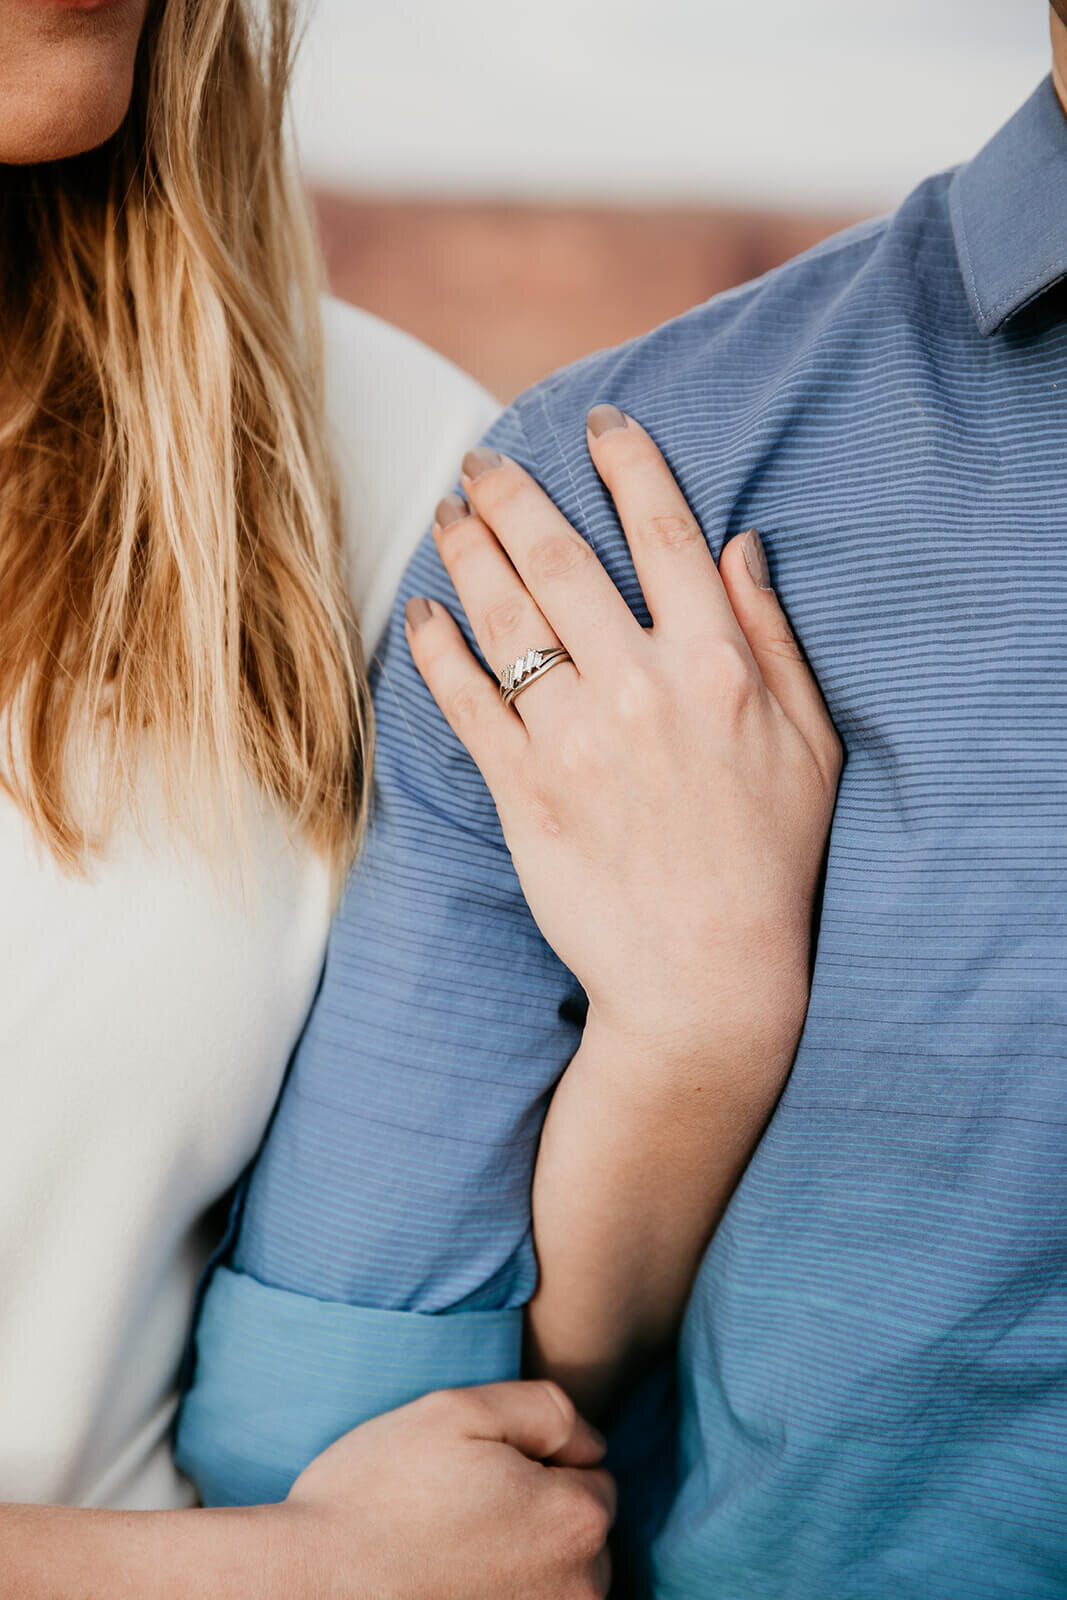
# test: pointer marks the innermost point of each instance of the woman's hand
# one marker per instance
(450, 1499)
(666, 796)
(446, 1499)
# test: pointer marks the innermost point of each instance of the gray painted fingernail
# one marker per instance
(605, 419)
(453, 508)
(416, 612)
(756, 559)
(478, 462)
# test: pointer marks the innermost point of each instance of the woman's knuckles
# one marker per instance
(557, 555)
(721, 672)
(504, 620)
(579, 1519)
(639, 697)
(462, 708)
(576, 753)
(545, 816)
(778, 643)
(668, 530)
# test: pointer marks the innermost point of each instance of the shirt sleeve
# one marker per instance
(394, 1184)
(280, 1376)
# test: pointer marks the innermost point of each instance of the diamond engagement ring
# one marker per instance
(518, 675)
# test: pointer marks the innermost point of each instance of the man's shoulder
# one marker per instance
(756, 330)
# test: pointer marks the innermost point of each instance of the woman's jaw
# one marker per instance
(66, 75)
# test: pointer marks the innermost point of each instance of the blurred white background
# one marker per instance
(786, 104)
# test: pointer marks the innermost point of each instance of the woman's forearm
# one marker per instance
(631, 1179)
(447, 1495)
(59, 1553)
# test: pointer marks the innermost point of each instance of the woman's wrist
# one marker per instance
(64, 1553)
(732, 1041)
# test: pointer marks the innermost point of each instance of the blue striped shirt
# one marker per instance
(872, 1378)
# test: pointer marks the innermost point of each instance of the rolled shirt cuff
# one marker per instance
(279, 1376)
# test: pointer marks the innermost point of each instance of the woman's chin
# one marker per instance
(69, 129)
(66, 76)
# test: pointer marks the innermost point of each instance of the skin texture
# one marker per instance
(666, 798)
(66, 74)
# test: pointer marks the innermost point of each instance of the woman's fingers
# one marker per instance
(674, 565)
(747, 581)
(469, 700)
(560, 570)
(505, 619)
(521, 570)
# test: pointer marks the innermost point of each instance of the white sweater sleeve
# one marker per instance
(401, 417)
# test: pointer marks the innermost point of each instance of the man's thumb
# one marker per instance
(540, 1420)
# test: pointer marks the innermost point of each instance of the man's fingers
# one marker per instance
(598, 1487)
(584, 1448)
(536, 1418)
(467, 697)
(601, 1484)
(746, 577)
(671, 557)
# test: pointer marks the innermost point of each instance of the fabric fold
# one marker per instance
(255, 1417)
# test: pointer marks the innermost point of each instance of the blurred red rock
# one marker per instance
(511, 292)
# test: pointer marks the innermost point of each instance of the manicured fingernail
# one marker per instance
(453, 508)
(477, 462)
(416, 612)
(605, 419)
(756, 559)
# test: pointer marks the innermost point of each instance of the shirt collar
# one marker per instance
(1009, 212)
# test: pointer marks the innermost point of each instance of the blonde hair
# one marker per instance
(170, 564)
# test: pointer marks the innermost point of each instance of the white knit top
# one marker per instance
(147, 1016)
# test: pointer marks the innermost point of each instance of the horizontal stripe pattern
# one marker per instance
(873, 1372)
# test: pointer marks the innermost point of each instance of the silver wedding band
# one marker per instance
(519, 674)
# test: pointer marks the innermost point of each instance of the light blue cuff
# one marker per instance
(280, 1376)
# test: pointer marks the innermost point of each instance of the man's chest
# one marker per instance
(924, 567)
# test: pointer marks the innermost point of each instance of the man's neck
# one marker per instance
(1059, 49)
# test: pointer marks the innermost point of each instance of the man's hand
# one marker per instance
(451, 1499)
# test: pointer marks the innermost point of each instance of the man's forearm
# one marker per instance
(59, 1553)
(638, 1160)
